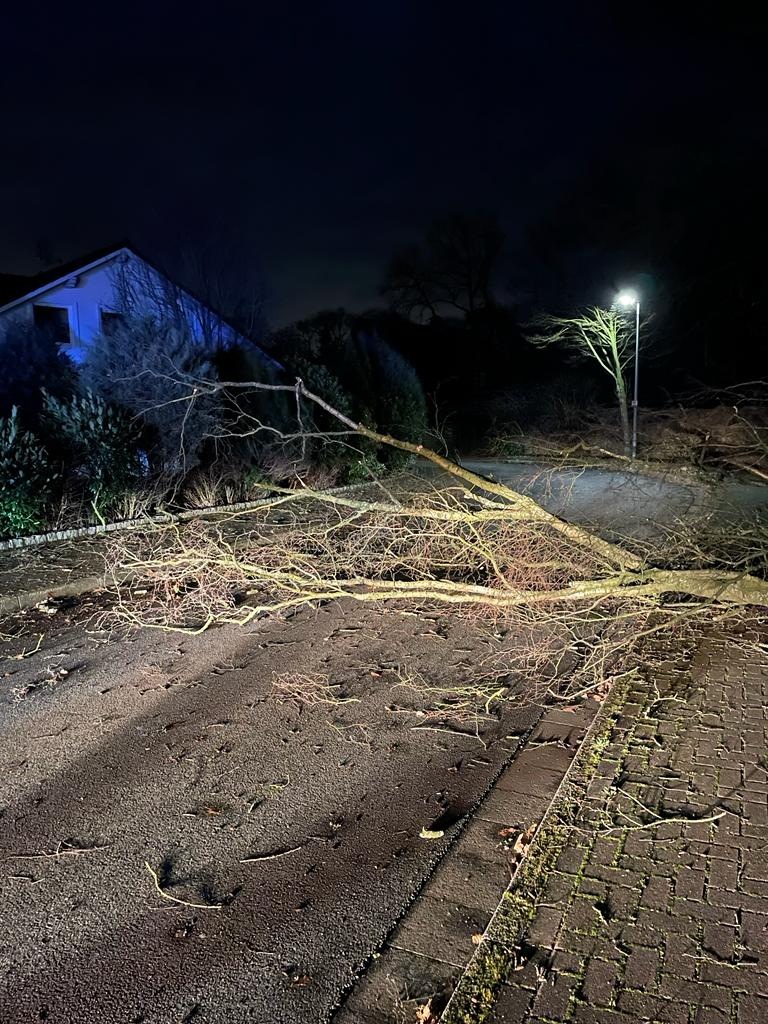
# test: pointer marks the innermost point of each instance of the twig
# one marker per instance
(28, 654)
(175, 899)
(62, 850)
(271, 856)
(664, 821)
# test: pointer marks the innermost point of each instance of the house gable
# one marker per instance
(85, 298)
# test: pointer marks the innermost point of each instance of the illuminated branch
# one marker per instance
(520, 506)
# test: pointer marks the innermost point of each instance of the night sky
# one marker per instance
(316, 138)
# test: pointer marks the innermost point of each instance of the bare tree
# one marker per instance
(142, 292)
(150, 368)
(452, 271)
(221, 274)
(604, 335)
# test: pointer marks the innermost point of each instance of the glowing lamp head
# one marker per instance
(627, 299)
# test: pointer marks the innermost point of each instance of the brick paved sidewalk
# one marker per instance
(665, 923)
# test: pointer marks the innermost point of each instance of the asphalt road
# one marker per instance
(294, 831)
(622, 503)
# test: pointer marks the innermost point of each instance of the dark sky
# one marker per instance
(320, 136)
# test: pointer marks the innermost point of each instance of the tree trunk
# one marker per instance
(621, 394)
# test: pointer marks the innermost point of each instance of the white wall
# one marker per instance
(127, 284)
(93, 291)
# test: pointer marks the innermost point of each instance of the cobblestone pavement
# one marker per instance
(668, 922)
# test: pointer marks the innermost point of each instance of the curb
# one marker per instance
(162, 519)
(9, 605)
(12, 603)
(443, 850)
(574, 779)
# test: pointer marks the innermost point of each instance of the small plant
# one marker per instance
(204, 490)
(26, 479)
(279, 469)
(364, 469)
(139, 500)
(210, 488)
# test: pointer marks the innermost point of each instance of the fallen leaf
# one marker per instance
(429, 834)
(523, 841)
(424, 1014)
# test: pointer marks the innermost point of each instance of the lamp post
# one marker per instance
(631, 299)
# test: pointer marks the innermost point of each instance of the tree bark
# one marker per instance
(621, 395)
(525, 506)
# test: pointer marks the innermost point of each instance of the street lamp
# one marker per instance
(628, 299)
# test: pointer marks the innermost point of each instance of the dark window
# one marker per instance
(110, 321)
(54, 319)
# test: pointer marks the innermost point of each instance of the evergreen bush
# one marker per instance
(26, 479)
(100, 442)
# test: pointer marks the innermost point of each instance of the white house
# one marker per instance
(87, 297)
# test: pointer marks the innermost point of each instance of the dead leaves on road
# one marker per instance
(517, 840)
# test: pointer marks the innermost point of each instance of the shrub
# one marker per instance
(357, 372)
(31, 359)
(152, 369)
(26, 479)
(100, 442)
(208, 488)
(241, 364)
(398, 404)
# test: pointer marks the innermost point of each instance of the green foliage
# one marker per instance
(26, 479)
(100, 441)
(323, 382)
(363, 468)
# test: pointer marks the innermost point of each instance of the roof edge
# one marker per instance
(65, 277)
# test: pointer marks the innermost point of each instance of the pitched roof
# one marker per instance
(16, 287)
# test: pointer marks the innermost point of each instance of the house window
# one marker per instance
(55, 320)
(110, 321)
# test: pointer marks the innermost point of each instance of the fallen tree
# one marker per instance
(471, 542)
